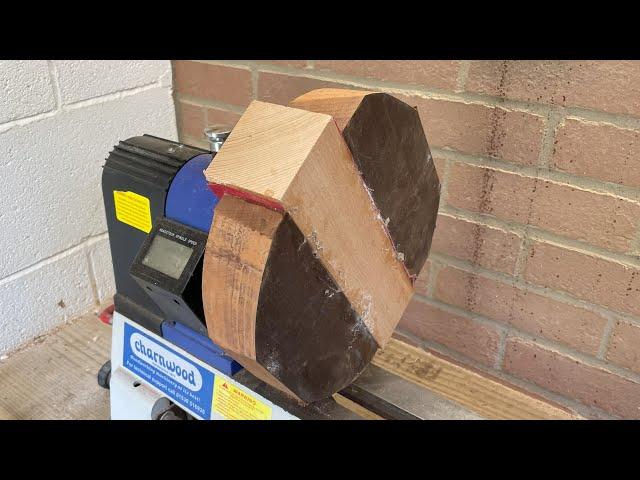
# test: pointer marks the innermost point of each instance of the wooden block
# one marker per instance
(298, 160)
(485, 395)
(237, 250)
(266, 149)
(270, 303)
(308, 334)
(341, 104)
(302, 279)
(388, 144)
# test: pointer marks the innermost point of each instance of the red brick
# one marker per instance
(423, 279)
(213, 82)
(480, 244)
(624, 346)
(429, 73)
(190, 120)
(604, 152)
(469, 337)
(404, 337)
(611, 86)
(602, 220)
(570, 377)
(494, 192)
(594, 279)
(214, 115)
(525, 310)
(282, 88)
(480, 130)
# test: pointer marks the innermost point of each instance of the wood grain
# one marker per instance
(308, 273)
(341, 104)
(308, 335)
(356, 408)
(266, 149)
(332, 207)
(488, 397)
(237, 250)
(271, 304)
(300, 159)
(389, 147)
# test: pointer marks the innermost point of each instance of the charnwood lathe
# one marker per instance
(216, 316)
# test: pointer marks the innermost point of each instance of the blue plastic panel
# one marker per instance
(200, 346)
(189, 200)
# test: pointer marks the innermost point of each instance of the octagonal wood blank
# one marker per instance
(303, 279)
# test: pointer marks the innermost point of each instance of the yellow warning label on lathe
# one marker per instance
(133, 209)
(234, 404)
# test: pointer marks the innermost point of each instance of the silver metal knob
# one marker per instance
(217, 134)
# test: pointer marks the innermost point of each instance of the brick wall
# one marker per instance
(534, 274)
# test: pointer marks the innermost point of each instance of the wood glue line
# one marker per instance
(219, 190)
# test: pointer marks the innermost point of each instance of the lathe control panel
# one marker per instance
(168, 267)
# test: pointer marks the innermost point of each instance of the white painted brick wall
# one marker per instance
(25, 89)
(58, 122)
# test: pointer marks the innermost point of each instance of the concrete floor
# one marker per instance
(54, 376)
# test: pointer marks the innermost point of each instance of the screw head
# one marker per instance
(216, 135)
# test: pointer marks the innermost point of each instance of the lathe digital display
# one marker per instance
(167, 256)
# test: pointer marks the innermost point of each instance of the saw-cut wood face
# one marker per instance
(318, 236)
(389, 147)
(309, 337)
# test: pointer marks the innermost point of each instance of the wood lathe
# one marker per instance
(257, 280)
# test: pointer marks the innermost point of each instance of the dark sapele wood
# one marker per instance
(389, 146)
(307, 334)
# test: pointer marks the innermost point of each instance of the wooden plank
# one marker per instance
(331, 205)
(355, 408)
(54, 377)
(490, 398)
